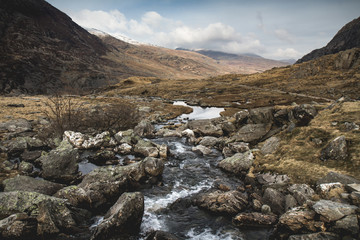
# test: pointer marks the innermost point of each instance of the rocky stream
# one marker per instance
(189, 178)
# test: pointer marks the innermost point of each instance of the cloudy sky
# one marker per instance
(276, 29)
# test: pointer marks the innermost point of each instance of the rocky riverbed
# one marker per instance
(198, 179)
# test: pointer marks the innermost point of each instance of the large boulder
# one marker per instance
(348, 224)
(146, 148)
(144, 129)
(75, 195)
(261, 115)
(60, 164)
(252, 133)
(24, 202)
(336, 149)
(205, 128)
(54, 218)
(231, 202)
(25, 183)
(301, 192)
(299, 220)
(104, 185)
(275, 199)
(124, 217)
(209, 141)
(18, 226)
(332, 211)
(254, 219)
(238, 163)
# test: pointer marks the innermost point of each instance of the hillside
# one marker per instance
(346, 38)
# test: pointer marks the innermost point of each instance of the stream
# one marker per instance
(168, 207)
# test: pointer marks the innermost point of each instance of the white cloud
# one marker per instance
(284, 35)
(287, 53)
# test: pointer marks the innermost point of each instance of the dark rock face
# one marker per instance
(24, 183)
(124, 216)
(42, 49)
(348, 37)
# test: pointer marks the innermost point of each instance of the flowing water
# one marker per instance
(168, 207)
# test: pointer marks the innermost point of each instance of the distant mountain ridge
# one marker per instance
(346, 38)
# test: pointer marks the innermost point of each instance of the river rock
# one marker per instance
(331, 190)
(18, 126)
(22, 201)
(101, 157)
(239, 147)
(228, 128)
(82, 141)
(209, 141)
(261, 115)
(54, 218)
(353, 187)
(275, 199)
(231, 202)
(60, 164)
(146, 148)
(144, 129)
(272, 179)
(241, 117)
(163, 151)
(237, 163)
(333, 177)
(189, 134)
(303, 114)
(25, 183)
(75, 195)
(336, 149)
(18, 226)
(161, 235)
(124, 136)
(301, 192)
(270, 145)
(254, 219)
(252, 132)
(348, 224)
(124, 216)
(124, 148)
(26, 167)
(332, 211)
(298, 220)
(202, 150)
(17, 146)
(30, 156)
(315, 236)
(355, 198)
(290, 202)
(105, 184)
(205, 128)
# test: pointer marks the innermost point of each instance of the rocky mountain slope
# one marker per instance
(242, 63)
(348, 37)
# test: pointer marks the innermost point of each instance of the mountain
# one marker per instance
(40, 45)
(241, 63)
(348, 37)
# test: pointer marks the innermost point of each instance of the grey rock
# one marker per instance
(336, 149)
(331, 190)
(270, 145)
(153, 166)
(348, 224)
(75, 195)
(272, 179)
(146, 148)
(124, 216)
(228, 128)
(25, 183)
(101, 157)
(353, 187)
(30, 156)
(275, 199)
(254, 219)
(315, 236)
(26, 167)
(301, 192)
(237, 163)
(241, 117)
(209, 141)
(231, 202)
(202, 150)
(60, 164)
(18, 126)
(290, 202)
(252, 132)
(355, 198)
(265, 209)
(261, 115)
(299, 219)
(239, 147)
(333, 177)
(332, 211)
(18, 226)
(17, 145)
(205, 128)
(24, 202)
(144, 129)
(55, 218)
